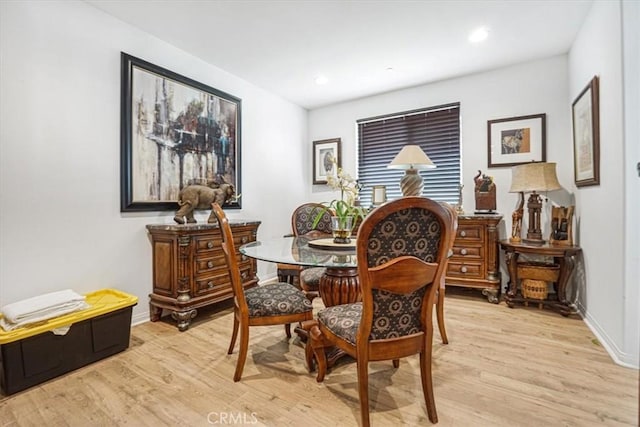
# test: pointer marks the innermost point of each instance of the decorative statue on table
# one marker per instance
(201, 197)
(485, 192)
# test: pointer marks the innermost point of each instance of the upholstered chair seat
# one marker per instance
(342, 320)
(276, 299)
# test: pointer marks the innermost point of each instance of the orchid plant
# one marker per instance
(345, 206)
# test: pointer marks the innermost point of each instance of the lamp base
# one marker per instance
(411, 183)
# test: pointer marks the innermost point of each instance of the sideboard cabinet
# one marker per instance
(189, 268)
(474, 262)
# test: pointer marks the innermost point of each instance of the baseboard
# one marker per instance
(617, 355)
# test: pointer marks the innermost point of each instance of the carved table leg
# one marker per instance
(512, 265)
(184, 318)
(567, 265)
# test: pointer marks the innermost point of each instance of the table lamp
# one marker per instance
(411, 158)
(533, 177)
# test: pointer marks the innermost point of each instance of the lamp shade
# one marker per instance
(411, 157)
(538, 176)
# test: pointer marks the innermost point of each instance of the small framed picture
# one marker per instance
(586, 136)
(516, 140)
(326, 159)
(378, 195)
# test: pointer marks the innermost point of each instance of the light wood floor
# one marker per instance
(502, 367)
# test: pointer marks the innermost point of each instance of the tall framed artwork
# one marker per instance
(586, 135)
(516, 140)
(326, 155)
(175, 132)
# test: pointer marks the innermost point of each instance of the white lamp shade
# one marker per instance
(537, 176)
(411, 157)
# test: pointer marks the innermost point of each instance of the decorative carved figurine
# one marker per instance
(516, 220)
(485, 192)
(201, 197)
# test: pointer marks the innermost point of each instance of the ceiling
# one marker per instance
(362, 47)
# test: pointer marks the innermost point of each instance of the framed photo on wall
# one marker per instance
(326, 157)
(174, 132)
(516, 140)
(586, 136)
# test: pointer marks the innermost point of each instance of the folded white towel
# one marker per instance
(41, 307)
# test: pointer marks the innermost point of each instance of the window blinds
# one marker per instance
(436, 130)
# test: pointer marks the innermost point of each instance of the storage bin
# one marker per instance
(34, 354)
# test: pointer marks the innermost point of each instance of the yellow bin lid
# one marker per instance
(101, 302)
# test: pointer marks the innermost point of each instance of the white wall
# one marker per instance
(60, 224)
(597, 50)
(631, 72)
(531, 88)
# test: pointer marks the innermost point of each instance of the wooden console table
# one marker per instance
(189, 268)
(564, 258)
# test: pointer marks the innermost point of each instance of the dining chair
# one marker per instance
(441, 290)
(264, 305)
(401, 255)
(302, 224)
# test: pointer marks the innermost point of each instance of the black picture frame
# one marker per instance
(174, 131)
(326, 154)
(585, 114)
(529, 137)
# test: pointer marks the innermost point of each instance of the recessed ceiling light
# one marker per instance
(321, 80)
(479, 35)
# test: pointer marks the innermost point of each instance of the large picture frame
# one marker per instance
(174, 132)
(517, 140)
(586, 135)
(326, 155)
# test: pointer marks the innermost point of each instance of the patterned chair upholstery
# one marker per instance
(402, 250)
(272, 304)
(302, 221)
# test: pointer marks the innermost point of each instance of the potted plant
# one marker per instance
(346, 210)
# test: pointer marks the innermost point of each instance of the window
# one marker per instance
(436, 130)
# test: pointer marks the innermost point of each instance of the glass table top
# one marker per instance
(296, 250)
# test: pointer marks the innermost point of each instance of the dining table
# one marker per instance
(338, 285)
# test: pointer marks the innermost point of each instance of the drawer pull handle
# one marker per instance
(209, 284)
(209, 245)
(244, 274)
(244, 239)
(244, 257)
(463, 269)
(210, 264)
(463, 233)
(463, 251)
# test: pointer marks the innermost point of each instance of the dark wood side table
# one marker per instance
(564, 257)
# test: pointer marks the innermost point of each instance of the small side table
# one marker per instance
(564, 257)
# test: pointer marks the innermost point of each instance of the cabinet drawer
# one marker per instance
(208, 243)
(220, 281)
(462, 251)
(471, 270)
(240, 239)
(212, 283)
(206, 265)
(470, 233)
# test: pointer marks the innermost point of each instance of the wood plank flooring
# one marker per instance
(502, 367)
